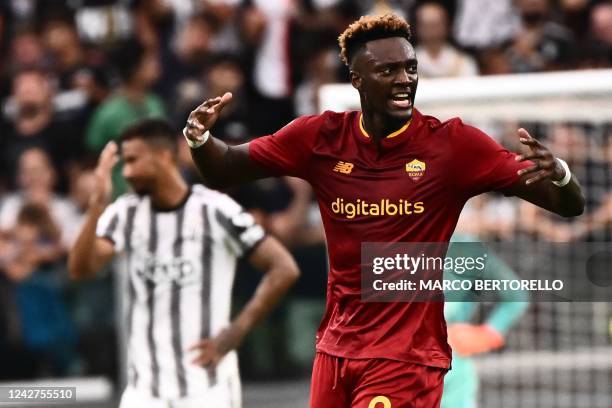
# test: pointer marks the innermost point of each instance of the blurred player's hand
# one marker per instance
(469, 339)
(204, 116)
(101, 193)
(545, 166)
(211, 351)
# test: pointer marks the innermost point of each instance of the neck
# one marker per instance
(134, 92)
(434, 49)
(378, 126)
(171, 192)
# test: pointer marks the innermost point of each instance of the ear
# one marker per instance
(356, 80)
(167, 156)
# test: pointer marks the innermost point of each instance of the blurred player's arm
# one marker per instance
(280, 272)
(469, 339)
(90, 252)
(220, 165)
(535, 183)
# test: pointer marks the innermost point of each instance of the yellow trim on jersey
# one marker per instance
(390, 135)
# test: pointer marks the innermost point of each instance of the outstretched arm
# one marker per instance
(535, 184)
(219, 164)
(280, 272)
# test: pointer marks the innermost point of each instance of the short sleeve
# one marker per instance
(288, 151)
(481, 164)
(110, 226)
(241, 233)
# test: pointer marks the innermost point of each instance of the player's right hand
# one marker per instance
(101, 193)
(204, 116)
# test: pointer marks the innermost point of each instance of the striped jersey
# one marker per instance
(180, 267)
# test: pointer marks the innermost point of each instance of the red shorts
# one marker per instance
(339, 382)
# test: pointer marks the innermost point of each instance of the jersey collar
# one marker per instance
(174, 207)
(393, 138)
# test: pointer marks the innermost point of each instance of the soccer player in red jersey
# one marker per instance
(386, 174)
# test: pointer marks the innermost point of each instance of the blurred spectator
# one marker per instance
(3, 40)
(225, 18)
(81, 189)
(575, 16)
(22, 10)
(36, 179)
(321, 69)
(30, 263)
(377, 7)
(601, 19)
(215, 29)
(153, 23)
(139, 70)
(437, 57)
(61, 40)
(485, 24)
(599, 44)
(194, 41)
(541, 44)
(33, 240)
(314, 46)
(272, 107)
(80, 85)
(225, 74)
(32, 123)
(26, 49)
(103, 22)
(183, 63)
(74, 66)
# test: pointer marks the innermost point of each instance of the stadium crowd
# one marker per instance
(74, 73)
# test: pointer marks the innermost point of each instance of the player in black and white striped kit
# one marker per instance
(180, 245)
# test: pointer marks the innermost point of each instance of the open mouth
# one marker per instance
(401, 100)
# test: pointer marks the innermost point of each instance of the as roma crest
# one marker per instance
(415, 169)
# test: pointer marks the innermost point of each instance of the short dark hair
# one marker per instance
(370, 28)
(153, 131)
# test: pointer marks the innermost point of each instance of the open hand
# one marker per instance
(545, 165)
(101, 192)
(204, 116)
(211, 351)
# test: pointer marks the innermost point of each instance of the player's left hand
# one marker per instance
(545, 166)
(211, 351)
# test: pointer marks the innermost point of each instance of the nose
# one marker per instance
(404, 77)
(126, 171)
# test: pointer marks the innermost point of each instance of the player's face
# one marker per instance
(385, 73)
(140, 165)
